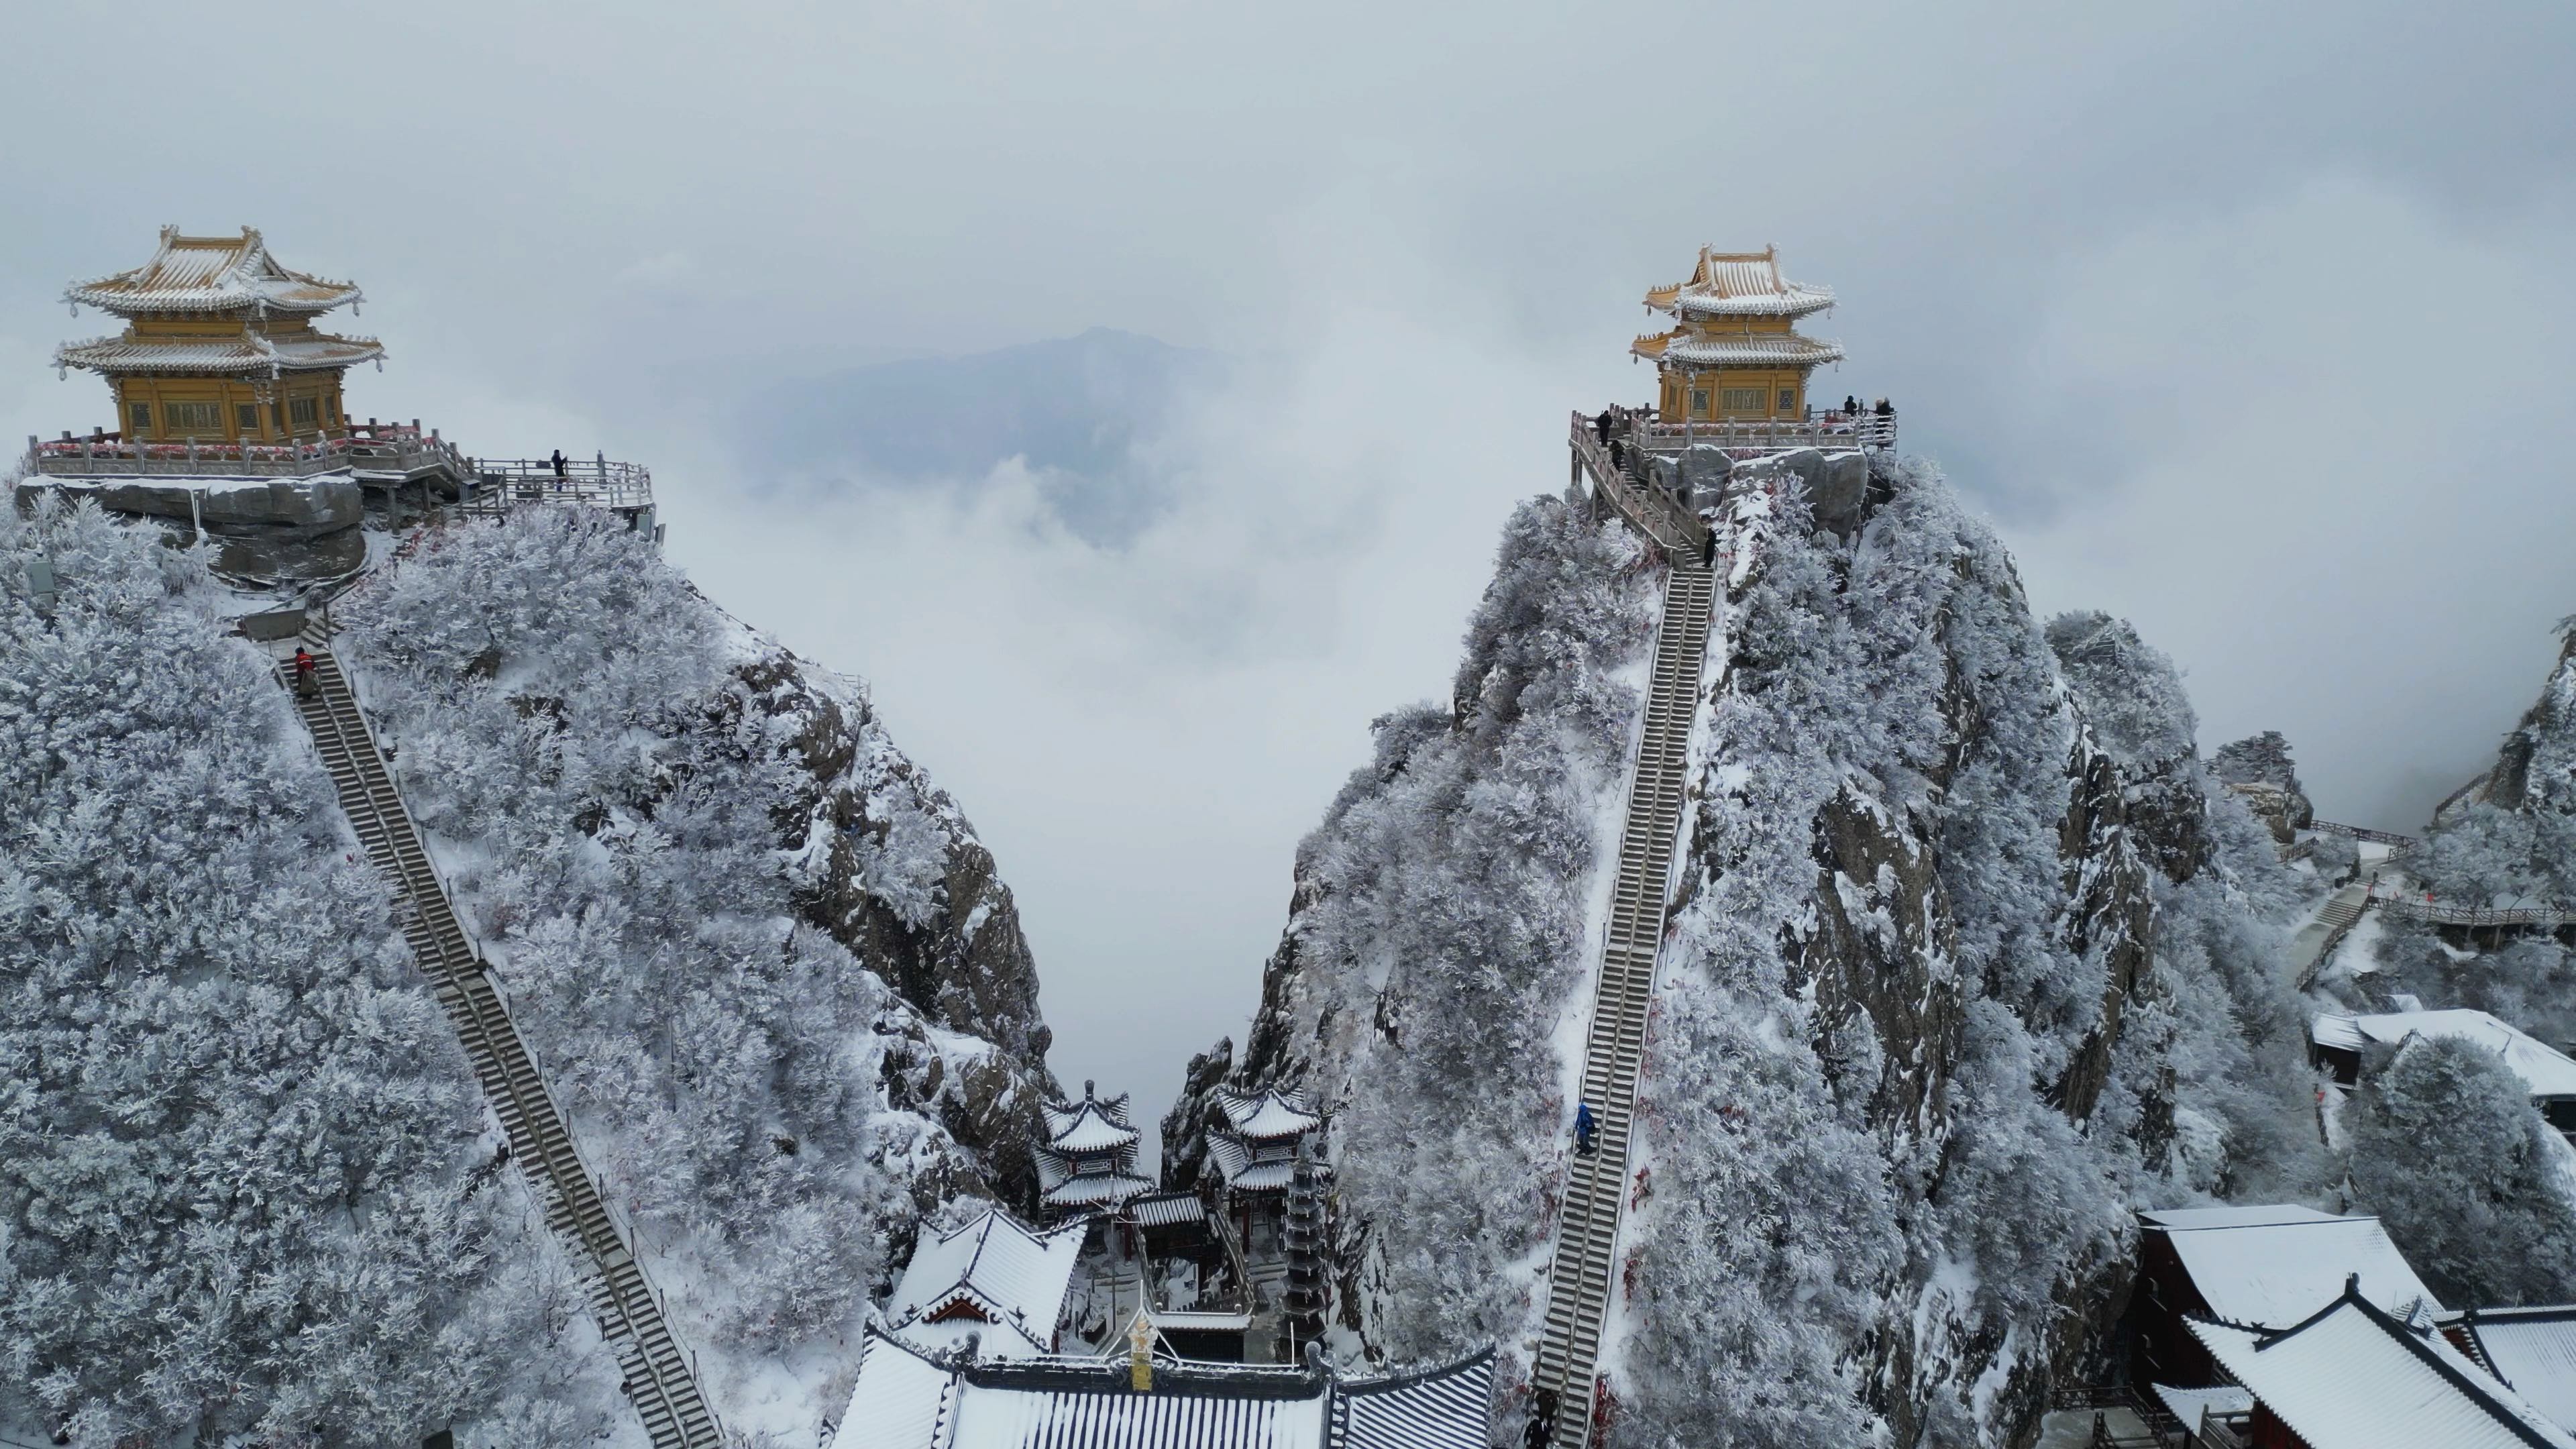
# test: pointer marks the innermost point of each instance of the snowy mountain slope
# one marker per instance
(764, 962)
(246, 1180)
(2514, 838)
(1912, 1055)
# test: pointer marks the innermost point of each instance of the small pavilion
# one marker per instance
(1088, 1162)
(1733, 353)
(1255, 1156)
(219, 344)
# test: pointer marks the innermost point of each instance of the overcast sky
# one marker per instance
(2254, 324)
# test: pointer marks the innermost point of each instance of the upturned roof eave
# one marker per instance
(126, 302)
(114, 355)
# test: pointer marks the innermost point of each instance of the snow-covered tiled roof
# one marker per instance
(1244, 1170)
(1094, 1189)
(246, 353)
(1740, 284)
(2192, 1405)
(1267, 1113)
(1013, 1276)
(2275, 1273)
(2352, 1377)
(2534, 1351)
(2234, 1216)
(1061, 1117)
(1166, 1209)
(2545, 1070)
(1444, 1409)
(1758, 349)
(212, 274)
(905, 1401)
(1088, 1129)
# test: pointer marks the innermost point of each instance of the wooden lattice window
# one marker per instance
(1744, 399)
(138, 417)
(303, 412)
(195, 417)
(246, 416)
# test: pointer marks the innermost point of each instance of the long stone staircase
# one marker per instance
(1585, 1264)
(658, 1373)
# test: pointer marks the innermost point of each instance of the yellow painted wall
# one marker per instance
(1769, 383)
(274, 415)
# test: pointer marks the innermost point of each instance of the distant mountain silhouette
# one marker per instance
(1073, 407)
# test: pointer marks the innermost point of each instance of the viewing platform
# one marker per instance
(1818, 428)
(375, 452)
(391, 456)
(1621, 465)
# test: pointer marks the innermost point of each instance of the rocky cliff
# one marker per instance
(1914, 1050)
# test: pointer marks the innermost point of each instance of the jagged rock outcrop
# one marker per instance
(2259, 768)
(1912, 1051)
(2512, 839)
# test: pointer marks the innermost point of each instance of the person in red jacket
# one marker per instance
(305, 678)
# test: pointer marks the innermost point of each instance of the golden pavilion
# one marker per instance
(1734, 352)
(219, 344)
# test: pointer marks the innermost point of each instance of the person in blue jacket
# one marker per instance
(1583, 1129)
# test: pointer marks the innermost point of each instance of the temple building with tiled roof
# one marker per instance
(1088, 1162)
(1733, 353)
(906, 1398)
(219, 344)
(994, 1279)
(2353, 1375)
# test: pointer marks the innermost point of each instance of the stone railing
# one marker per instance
(1819, 428)
(371, 448)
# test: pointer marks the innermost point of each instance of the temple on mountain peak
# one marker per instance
(1734, 352)
(1088, 1162)
(219, 344)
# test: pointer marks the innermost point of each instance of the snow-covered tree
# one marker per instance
(2448, 1150)
(761, 958)
(238, 1140)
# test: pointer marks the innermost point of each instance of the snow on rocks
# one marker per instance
(731, 917)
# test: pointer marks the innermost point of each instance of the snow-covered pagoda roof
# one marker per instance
(995, 1277)
(1739, 284)
(1759, 349)
(245, 354)
(1061, 1188)
(907, 1399)
(1094, 1124)
(2353, 1376)
(1267, 1113)
(2545, 1071)
(213, 274)
(1089, 1129)
(1247, 1169)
